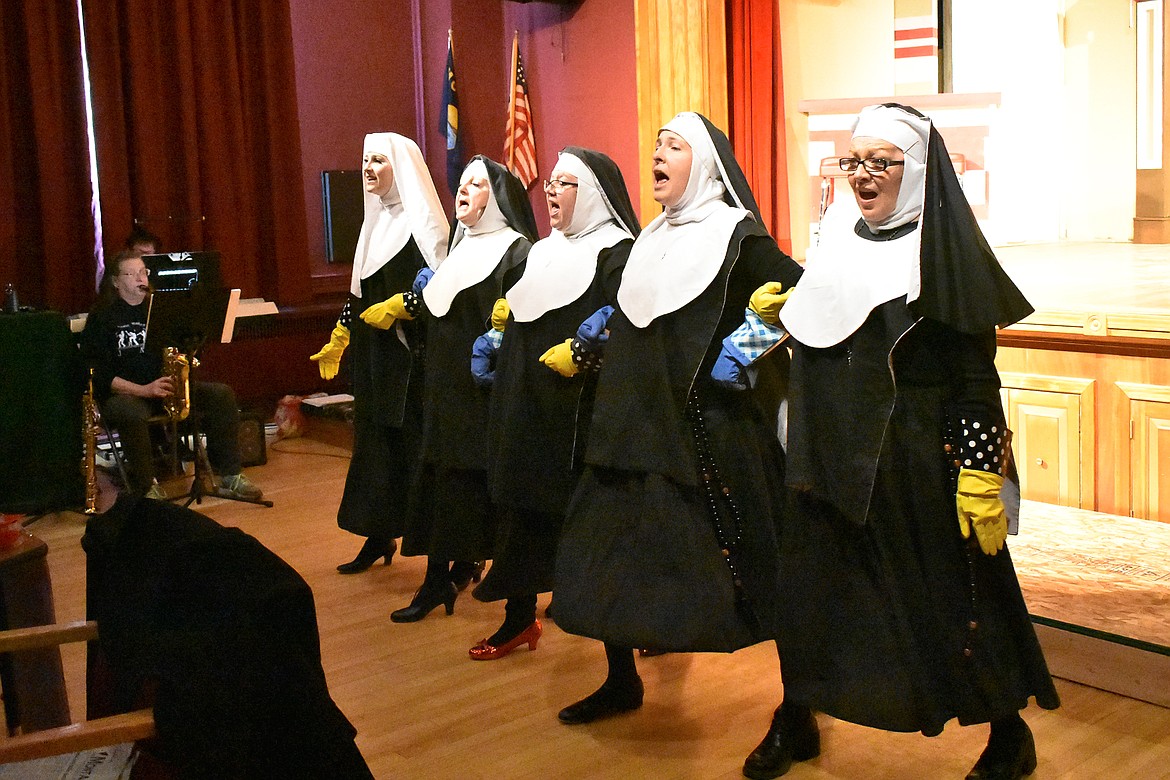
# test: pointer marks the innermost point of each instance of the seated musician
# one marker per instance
(130, 385)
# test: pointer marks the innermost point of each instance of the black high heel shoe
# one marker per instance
(1010, 753)
(463, 573)
(427, 597)
(371, 551)
(793, 736)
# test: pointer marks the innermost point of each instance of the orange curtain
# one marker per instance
(756, 109)
(46, 232)
(197, 134)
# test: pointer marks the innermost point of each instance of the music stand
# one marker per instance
(186, 319)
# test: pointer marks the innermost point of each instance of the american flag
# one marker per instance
(520, 145)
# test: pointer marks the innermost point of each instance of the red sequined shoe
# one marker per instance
(485, 652)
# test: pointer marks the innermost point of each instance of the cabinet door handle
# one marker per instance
(1040, 462)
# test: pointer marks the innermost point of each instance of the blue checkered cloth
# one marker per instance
(743, 347)
(755, 337)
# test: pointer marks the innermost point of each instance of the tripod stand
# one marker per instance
(203, 481)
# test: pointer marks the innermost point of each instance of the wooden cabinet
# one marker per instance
(1149, 449)
(1091, 416)
(1052, 419)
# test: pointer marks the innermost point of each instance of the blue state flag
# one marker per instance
(449, 123)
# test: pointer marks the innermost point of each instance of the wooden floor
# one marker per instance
(423, 710)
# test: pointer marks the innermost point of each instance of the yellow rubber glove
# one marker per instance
(768, 300)
(500, 312)
(382, 315)
(560, 359)
(979, 507)
(328, 360)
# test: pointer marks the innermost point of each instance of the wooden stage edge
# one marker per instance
(1105, 661)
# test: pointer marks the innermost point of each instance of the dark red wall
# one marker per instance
(581, 75)
(356, 74)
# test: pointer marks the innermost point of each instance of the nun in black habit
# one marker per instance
(404, 230)
(901, 606)
(538, 419)
(671, 538)
(451, 518)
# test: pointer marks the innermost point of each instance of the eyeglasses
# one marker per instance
(871, 164)
(139, 272)
(558, 185)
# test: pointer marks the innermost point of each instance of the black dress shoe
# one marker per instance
(793, 736)
(1010, 754)
(463, 573)
(426, 598)
(605, 701)
(371, 551)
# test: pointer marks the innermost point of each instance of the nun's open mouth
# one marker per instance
(660, 177)
(866, 194)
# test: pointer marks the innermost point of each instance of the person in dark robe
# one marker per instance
(218, 635)
(404, 230)
(671, 538)
(901, 609)
(538, 419)
(451, 518)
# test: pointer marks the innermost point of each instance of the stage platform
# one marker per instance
(1098, 588)
(1114, 277)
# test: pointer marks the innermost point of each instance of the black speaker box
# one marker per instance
(343, 196)
(40, 414)
(253, 451)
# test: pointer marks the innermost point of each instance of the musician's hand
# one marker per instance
(160, 388)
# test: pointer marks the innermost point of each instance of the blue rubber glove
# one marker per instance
(730, 369)
(483, 357)
(420, 280)
(592, 332)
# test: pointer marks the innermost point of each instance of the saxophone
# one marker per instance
(178, 366)
(90, 416)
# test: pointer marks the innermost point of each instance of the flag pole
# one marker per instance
(512, 100)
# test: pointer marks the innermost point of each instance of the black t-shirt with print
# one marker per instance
(114, 343)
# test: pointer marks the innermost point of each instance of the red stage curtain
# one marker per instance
(197, 134)
(756, 109)
(46, 231)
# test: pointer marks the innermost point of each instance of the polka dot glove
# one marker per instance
(980, 510)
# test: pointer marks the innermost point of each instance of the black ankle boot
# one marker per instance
(431, 594)
(1010, 753)
(793, 736)
(463, 573)
(371, 551)
(609, 699)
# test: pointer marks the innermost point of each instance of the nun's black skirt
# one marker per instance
(640, 563)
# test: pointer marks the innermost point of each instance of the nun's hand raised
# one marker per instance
(768, 300)
(560, 359)
(382, 315)
(500, 312)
